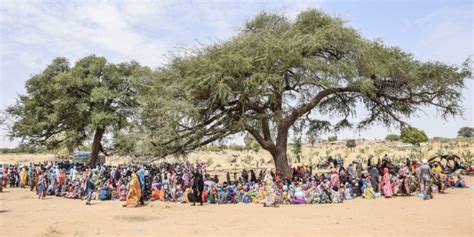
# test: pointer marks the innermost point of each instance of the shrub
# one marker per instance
(413, 136)
(392, 137)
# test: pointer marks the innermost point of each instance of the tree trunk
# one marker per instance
(281, 163)
(99, 132)
(279, 154)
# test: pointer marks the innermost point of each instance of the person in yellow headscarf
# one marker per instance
(438, 172)
(23, 177)
(134, 193)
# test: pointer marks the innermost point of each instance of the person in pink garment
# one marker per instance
(386, 184)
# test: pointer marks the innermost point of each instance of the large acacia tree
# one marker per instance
(276, 72)
(66, 106)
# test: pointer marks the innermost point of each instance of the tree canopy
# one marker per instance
(392, 137)
(413, 136)
(466, 132)
(66, 106)
(351, 144)
(277, 71)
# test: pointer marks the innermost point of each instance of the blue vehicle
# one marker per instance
(83, 157)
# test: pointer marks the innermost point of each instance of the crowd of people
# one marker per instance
(191, 183)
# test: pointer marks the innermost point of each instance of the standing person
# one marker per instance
(23, 177)
(386, 183)
(88, 189)
(198, 187)
(5, 177)
(426, 176)
(31, 177)
(374, 178)
(141, 178)
(41, 185)
(437, 171)
(405, 175)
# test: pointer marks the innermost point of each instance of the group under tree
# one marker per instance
(274, 74)
(277, 72)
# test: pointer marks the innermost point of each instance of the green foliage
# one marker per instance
(466, 132)
(311, 139)
(392, 137)
(467, 157)
(332, 138)
(64, 105)
(251, 143)
(256, 147)
(316, 62)
(351, 144)
(413, 136)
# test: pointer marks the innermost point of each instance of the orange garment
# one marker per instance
(23, 177)
(155, 194)
(204, 196)
(135, 192)
(62, 178)
(162, 195)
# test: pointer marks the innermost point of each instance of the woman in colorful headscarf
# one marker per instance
(135, 192)
(269, 191)
(438, 173)
(23, 177)
(386, 184)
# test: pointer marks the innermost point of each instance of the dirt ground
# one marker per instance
(21, 214)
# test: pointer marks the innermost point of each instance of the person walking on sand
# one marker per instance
(198, 188)
(88, 189)
(426, 177)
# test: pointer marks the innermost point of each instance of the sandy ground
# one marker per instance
(21, 214)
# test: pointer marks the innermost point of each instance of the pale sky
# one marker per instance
(32, 33)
